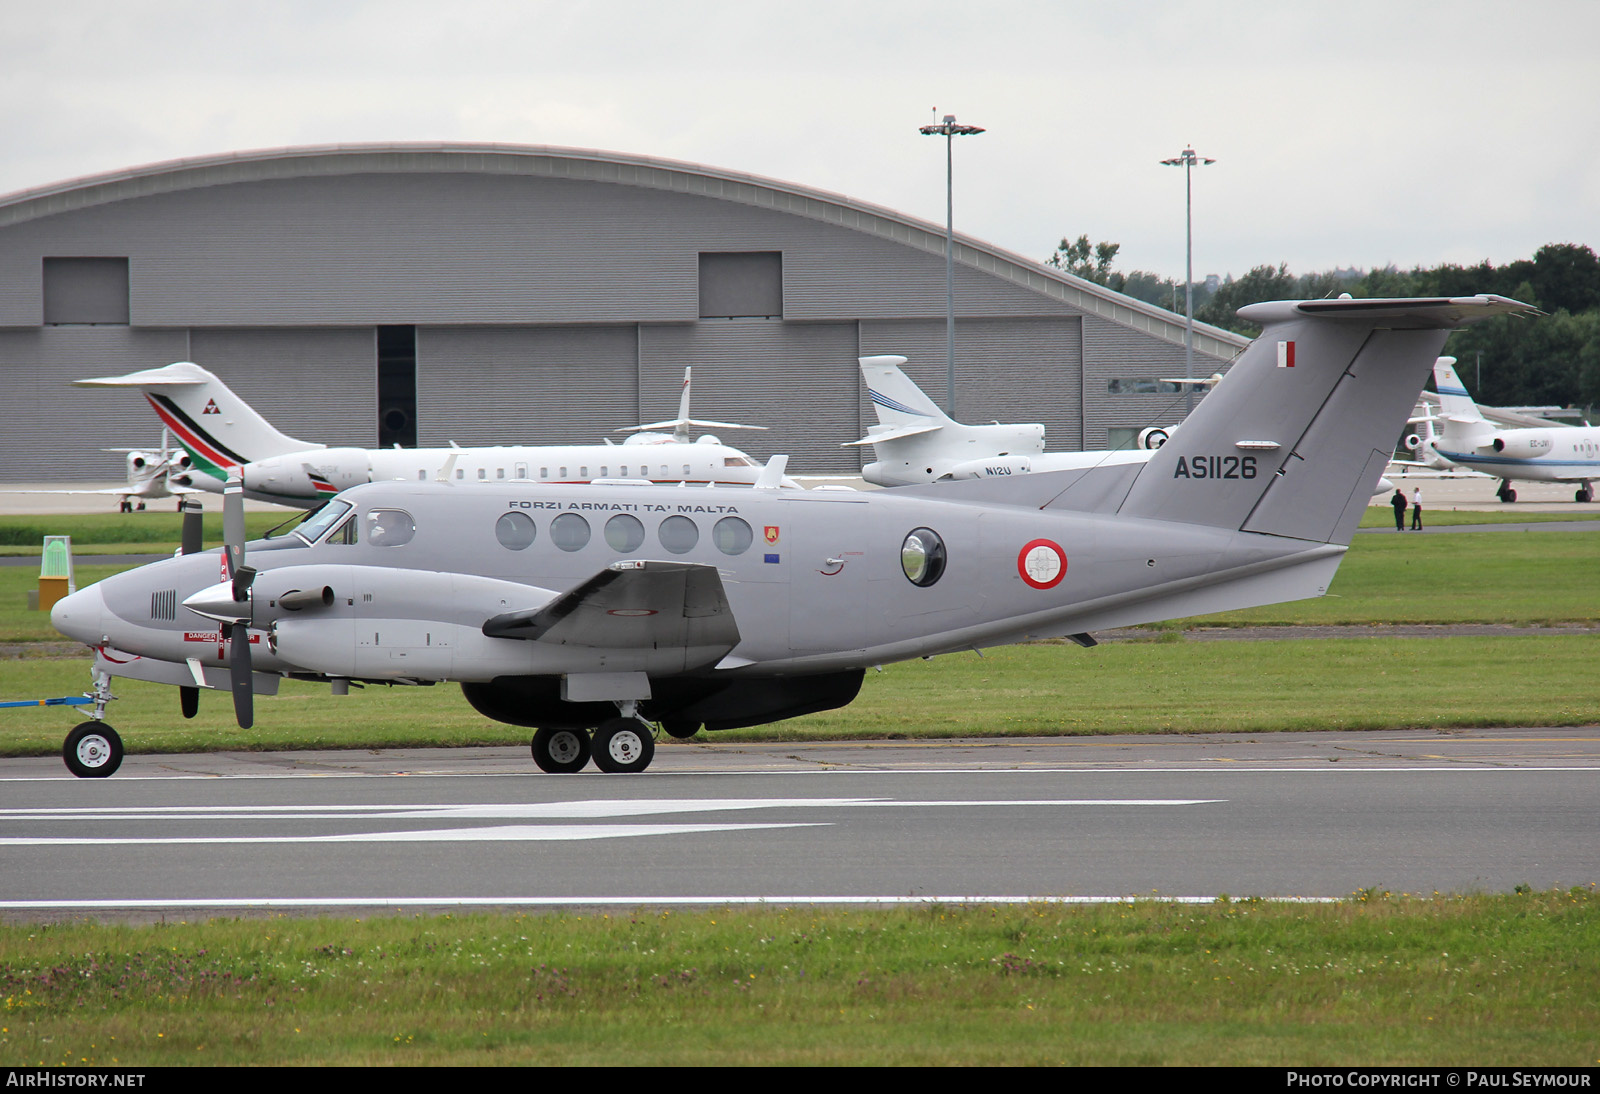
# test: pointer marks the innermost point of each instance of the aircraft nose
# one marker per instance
(81, 616)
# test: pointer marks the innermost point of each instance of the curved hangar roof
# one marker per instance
(591, 166)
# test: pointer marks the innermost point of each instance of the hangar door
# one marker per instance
(800, 380)
(526, 385)
(316, 384)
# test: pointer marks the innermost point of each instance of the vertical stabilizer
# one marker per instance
(1294, 438)
(1454, 401)
(896, 399)
(220, 430)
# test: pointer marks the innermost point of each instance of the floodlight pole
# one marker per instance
(949, 130)
(1188, 161)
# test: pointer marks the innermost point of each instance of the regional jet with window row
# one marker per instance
(1553, 454)
(225, 436)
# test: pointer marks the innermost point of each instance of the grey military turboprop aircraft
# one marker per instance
(571, 608)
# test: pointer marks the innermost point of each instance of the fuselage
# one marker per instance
(816, 581)
(312, 476)
(1562, 454)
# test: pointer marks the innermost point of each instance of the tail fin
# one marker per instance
(1454, 402)
(220, 430)
(1294, 438)
(898, 401)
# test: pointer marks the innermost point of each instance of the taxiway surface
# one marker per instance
(1293, 815)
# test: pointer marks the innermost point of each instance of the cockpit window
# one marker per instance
(390, 527)
(321, 520)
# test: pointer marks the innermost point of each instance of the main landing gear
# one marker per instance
(620, 746)
(1585, 493)
(1505, 493)
(93, 750)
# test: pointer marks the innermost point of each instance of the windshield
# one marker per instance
(318, 521)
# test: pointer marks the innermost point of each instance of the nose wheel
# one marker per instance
(92, 751)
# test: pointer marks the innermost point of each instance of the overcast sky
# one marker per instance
(1345, 133)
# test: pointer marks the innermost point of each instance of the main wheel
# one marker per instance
(623, 746)
(561, 751)
(677, 727)
(1585, 494)
(92, 751)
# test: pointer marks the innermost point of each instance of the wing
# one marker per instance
(634, 605)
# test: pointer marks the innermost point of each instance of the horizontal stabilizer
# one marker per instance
(180, 374)
(880, 434)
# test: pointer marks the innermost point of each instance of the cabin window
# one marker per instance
(461, 473)
(499, 472)
(732, 536)
(422, 474)
(624, 533)
(679, 535)
(522, 470)
(515, 531)
(604, 474)
(544, 472)
(922, 557)
(483, 473)
(390, 527)
(583, 472)
(685, 470)
(563, 473)
(569, 532)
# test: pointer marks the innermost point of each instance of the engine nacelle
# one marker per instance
(1153, 437)
(997, 467)
(1413, 444)
(291, 476)
(1524, 444)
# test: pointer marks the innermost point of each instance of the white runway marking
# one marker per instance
(501, 833)
(578, 810)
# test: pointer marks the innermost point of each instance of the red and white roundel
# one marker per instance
(1042, 563)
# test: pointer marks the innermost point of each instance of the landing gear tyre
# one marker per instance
(561, 751)
(623, 746)
(1585, 494)
(92, 751)
(1508, 496)
(680, 729)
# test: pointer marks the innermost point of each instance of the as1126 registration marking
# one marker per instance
(1215, 467)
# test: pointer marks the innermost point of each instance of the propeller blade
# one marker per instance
(239, 672)
(233, 525)
(193, 526)
(189, 699)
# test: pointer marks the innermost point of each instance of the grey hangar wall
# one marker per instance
(551, 296)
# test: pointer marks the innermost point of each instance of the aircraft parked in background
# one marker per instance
(150, 477)
(224, 436)
(916, 442)
(1552, 454)
(573, 608)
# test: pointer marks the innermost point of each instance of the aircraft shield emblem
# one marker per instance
(771, 532)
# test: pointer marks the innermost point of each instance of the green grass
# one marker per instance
(1374, 980)
(1381, 516)
(1045, 689)
(116, 533)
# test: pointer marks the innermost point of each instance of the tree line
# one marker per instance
(1551, 360)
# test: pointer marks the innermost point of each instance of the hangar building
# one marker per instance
(495, 294)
